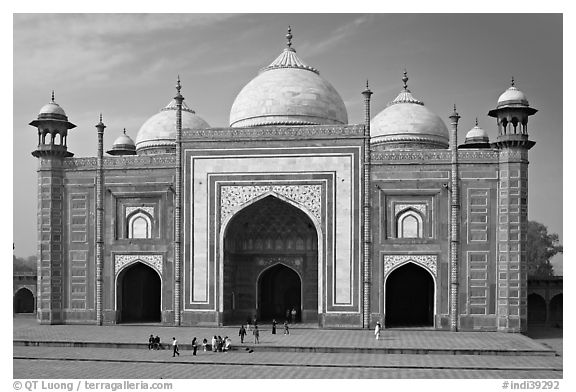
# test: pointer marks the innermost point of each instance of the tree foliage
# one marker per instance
(541, 247)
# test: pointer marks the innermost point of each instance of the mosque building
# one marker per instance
(290, 207)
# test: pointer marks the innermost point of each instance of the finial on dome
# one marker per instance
(476, 121)
(512, 82)
(124, 131)
(178, 85)
(100, 117)
(289, 38)
(52, 96)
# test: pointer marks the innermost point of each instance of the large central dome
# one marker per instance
(288, 92)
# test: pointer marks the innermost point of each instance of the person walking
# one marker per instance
(175, 347)
(151, 342)
(204, 344)
(288, 314)
(293, 314)
(274, 326)
(214, 344)
(256, 334)
(377, 330)
(242, 333)
(194, 346)
(286, 329)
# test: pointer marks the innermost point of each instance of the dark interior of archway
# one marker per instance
(140, 299)
(24, 301)
(536, 309)
(279, 290)
(556, 314)
(268, 232)
(409, 297)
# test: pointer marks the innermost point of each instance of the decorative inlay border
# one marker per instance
(234, 196)
(435, 155)
(122, 261)
(148, 210)
(418, 207)
(143, 161)
(427, 261)
(274, 132)
(296, 261)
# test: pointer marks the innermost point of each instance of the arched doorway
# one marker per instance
(556, 311)
(138, 294)
(536, 309)
(278, 290)
(270, 232)
(409, 297)
(23, 301)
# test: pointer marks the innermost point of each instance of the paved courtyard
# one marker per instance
(52, 354)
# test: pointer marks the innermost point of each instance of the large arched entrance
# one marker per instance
(138, 294)
(536, 309)
(278, 291)
(267, 247)
(24, 301)
(409, 297)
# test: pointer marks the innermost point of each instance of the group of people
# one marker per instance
(154, 342)
(218, 344)
(244, 330)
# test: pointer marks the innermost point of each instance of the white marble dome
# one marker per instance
(512, 96)
(124, 141)
(52, 110)
(288, 92)
(477, 134)
(160, 129)
(407, 122)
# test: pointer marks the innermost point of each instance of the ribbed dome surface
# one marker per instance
(288, 92)
(406, 121)
(160, 129)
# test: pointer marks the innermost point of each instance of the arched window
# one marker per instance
(409, 225)
(139, 225)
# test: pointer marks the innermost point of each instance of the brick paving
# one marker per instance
(45, 361)
(28, 329)
(24, 369)
(243, 357)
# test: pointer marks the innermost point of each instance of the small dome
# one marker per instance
(160, 129)
(476, 135)
(406, 123)
(52, 108)
(288, 92)
(52, 111)
(512, 96)
(123, 145)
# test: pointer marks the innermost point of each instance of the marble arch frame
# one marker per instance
(222, 234)
(425, 268)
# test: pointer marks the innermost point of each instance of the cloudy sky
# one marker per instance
(125, 66)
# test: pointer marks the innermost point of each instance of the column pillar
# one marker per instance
(454, 222)
(367, 233)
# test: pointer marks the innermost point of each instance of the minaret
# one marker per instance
(367, 93)
(454, 221)
(177, 206)
(53, 125)
(511, 113)
(99, 219)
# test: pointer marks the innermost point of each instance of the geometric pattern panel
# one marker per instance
(234, 196)
(418, 207)
(122, 261)
(148, 210)
(427, 261)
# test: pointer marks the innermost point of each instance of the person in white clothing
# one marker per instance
(377, 330)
